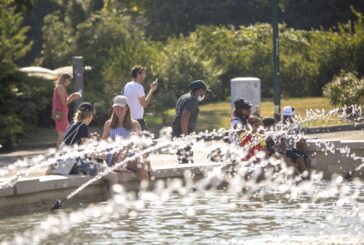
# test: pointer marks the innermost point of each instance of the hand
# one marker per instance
(76, 95)
(154, 86)
(95, 136)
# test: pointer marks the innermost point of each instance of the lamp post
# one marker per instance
(77, 63)
(276, 72)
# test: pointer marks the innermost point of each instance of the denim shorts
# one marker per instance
(85, 167)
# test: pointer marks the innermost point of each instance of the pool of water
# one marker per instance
(216, 217)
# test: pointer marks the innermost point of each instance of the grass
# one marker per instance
(217, 115)
(212, 116)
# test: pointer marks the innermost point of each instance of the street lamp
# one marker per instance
(78, 69)
(276, 72)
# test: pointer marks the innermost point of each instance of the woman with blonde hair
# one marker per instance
(60, 103)
(78, 133)
(122, 125)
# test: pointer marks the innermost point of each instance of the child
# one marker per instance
(253, 139)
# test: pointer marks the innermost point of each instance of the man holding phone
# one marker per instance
(134, 91)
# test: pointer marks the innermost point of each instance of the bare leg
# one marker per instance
(308, 163)
(290, 163)
(301, 145)
(141, 170)
(301, 164)
(60, 138)
(110, 179)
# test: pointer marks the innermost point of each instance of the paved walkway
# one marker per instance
(11, 157)
(8, 158)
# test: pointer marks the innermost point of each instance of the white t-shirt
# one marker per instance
(133, 91)
(235, 124)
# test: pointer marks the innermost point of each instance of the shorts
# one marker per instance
(86, 168)
(294, 154)
(61, 125)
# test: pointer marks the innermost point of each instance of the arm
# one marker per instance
(184, 121)
(145, 100)
(83, 134)
(60, 92)
(84, 140)
(72, 97)
(105, 131)
(136, 127)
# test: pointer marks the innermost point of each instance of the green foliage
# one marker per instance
(58, 43)
(210, 40)
(12, 47)
(174, 17)
(108, 42)
(177, 66)
(345, 89)
(11, 127)
(12, 37)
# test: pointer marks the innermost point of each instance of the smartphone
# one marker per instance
(80, 92)
(156, 81)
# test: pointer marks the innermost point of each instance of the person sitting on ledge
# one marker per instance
(252, 139)
(78, 133)
(239, 121)
(288, 114)
(122, 125)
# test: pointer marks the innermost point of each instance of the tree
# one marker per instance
(345, 89)
(12, 48)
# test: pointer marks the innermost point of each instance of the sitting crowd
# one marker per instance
(257, 135)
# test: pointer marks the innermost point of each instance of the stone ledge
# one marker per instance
(180, 169)
(8, 191)
(335, 128)
(43, 190)
(318, 145)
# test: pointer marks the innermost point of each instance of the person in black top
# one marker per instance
(78, 133)
(187, 109)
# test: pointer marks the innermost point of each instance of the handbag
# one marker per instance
(57, 115)
(63, 166)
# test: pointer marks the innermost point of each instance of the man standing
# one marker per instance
(187, 109)
(134, 91)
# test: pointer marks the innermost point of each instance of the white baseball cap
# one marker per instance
(120, 100)
(288, 111)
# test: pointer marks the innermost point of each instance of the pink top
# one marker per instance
(61, 124)
(57, 102)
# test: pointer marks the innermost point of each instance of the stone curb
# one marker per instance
(34, 146)
(336, 128)
(41, 192)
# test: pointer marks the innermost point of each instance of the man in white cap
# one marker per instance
(288, 114)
